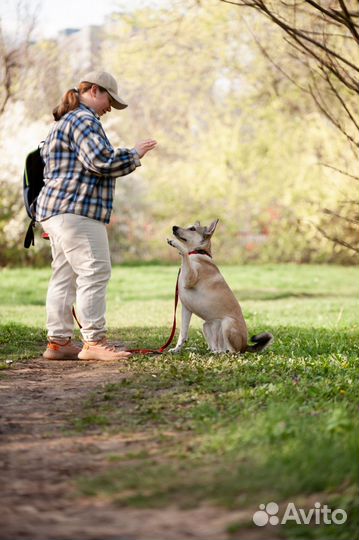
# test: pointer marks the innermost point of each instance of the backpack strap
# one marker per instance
(29, 237)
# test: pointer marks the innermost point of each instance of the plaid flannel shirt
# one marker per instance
(81, 167)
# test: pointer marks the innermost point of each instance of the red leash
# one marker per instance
(162, 349)
(168, 342)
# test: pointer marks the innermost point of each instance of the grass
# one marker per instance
(234, 431)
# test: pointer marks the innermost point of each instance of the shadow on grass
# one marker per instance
(241, 294)
(279, 294)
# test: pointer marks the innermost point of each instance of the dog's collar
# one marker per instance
(200, 252)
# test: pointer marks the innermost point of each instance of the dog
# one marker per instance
(203, 291)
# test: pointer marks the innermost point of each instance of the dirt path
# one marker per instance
(38, 463)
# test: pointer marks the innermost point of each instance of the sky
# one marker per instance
(55, 15)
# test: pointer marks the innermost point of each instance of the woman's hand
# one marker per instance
(143, 147)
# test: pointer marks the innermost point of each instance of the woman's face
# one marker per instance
(101, 100)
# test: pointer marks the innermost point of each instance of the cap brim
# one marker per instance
(116, 101)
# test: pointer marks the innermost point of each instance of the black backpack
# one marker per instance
(33, 182)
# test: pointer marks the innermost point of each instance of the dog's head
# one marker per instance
(196, 236)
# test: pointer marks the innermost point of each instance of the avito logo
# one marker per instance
(267, 513)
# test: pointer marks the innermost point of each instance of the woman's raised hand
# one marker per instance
(143, 147)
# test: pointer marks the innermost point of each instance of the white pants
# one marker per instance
(81, 269)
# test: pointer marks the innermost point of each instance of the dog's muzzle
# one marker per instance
(175, 232)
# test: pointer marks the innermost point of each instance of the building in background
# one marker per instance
(83, 47)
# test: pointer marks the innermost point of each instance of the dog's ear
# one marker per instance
(211, 228)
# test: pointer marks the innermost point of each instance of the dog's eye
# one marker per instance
(192, 228)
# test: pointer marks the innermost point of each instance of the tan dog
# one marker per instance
(204, 292)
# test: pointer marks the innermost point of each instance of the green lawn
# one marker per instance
(235, 431)
(301, 296)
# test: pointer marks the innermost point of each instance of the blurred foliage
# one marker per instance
(238, 140)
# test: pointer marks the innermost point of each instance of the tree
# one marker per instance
(324, 40)
(14, 53)
(237, 140)
(232, 130)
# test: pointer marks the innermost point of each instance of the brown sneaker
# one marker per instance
(101, 350)
(61, 351)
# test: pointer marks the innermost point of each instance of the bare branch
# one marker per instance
(325, 110)
(349, 21)
(338, 216)
(335, 239)
(297, 35)
(324, 37)
(345, 173)
(334, 14)
(270, 59)
(341, 101)
(347, 80)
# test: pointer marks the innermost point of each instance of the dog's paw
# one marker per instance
(175, 243)
(175, 350)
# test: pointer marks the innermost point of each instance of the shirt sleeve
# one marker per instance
(96, 153)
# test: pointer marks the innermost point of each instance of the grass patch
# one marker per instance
(234, 431)
(248, 420)
(142, 296)
(238, 430)
(18, 342)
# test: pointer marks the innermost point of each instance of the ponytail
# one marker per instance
(70, 100)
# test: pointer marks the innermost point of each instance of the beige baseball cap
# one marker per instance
(106, 81)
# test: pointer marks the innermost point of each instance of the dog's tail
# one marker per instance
(262, 342)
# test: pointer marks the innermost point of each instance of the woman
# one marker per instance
(74, 207)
